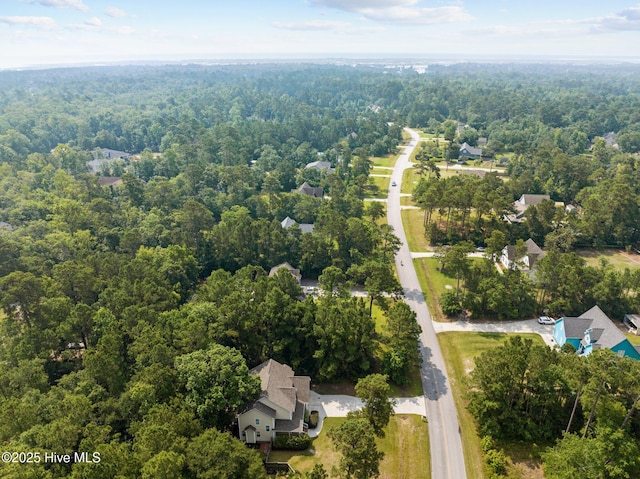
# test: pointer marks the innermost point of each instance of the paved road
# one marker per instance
(447, 458)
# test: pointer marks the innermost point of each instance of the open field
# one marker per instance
(432, 283)
(389, 160)
(460, 351)
(618, 258)
(406, 448)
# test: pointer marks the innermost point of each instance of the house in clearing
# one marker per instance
(469, 152)
(521, 206)
(281, 407)
(593, 330)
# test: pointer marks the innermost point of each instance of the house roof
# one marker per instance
(113, 154)
(320, 166)
(295, 272)
(279, 386)
(294, 425)
(531, 199)
(604, 334)
(263, 408)
(465, 147)
(309, 190)
(533, 248)
(6, 226)
(304, 227)
(110, 180)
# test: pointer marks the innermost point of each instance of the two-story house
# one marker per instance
(281, 407)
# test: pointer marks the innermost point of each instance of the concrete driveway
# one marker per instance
(525, 326)
(338, 405)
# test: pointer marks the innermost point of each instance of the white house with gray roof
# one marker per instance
(281, 407)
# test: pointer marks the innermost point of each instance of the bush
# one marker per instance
(294, 443)
(497, 462)
(450, 304)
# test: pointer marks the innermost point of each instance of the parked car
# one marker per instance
(546, 320)
(393, 183)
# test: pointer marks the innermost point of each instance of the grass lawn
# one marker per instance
(433, 284)
(633, 339)
(410, 178)
(380, 171)
(378, 187)
(412, 221)
(406, 448)
(620, 259)
(389, 160)
(406, 201)
(460, 351)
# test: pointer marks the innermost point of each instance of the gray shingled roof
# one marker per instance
(294, 271)
(304, 227)
(263, 408)
(604, 333)
(279, 385)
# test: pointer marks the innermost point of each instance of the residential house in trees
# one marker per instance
(593, 330)
(469, 152)
(521, 206)
(306, 189)
(304, 227)
(510, 260)
(281, 407)
(294, 271)
(321, 166)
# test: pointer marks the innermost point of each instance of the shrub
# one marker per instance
(497, 462)
(295, 443)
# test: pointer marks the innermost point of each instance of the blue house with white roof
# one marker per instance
(593, 330)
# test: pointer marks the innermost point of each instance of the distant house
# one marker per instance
(4, 226)
(470, 152)
(482, 141)
(281, 407)
(294, 272)
(610, 139)
(113, 181)
(306, 189)
(320, 166)
(510, 260)
(521, 206)
(304, 227)
(593, 330)
(105, 156)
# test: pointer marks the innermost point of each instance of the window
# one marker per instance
(267, 428)
(258, 434)
(257, 422)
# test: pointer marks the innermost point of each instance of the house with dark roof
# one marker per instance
(113, 181)
(281, 407)
(304, 227)
(469, 152)
(521, 205)
(593, 330)
(510, 260)
(294, 271)
(306, 189)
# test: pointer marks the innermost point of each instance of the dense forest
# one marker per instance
(114, 298)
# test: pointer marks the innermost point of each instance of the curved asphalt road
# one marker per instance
(447, 458)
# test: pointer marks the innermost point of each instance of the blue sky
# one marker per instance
(37, 32)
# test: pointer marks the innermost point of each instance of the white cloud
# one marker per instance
(418, 16)
(312, 25)
(359, 5)
(77, 4)
(93, 22)
(398, 11)
(623, 21)
(39, 22)
(116, 12)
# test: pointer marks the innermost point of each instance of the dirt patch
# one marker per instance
(344, 387)
(529, 469)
